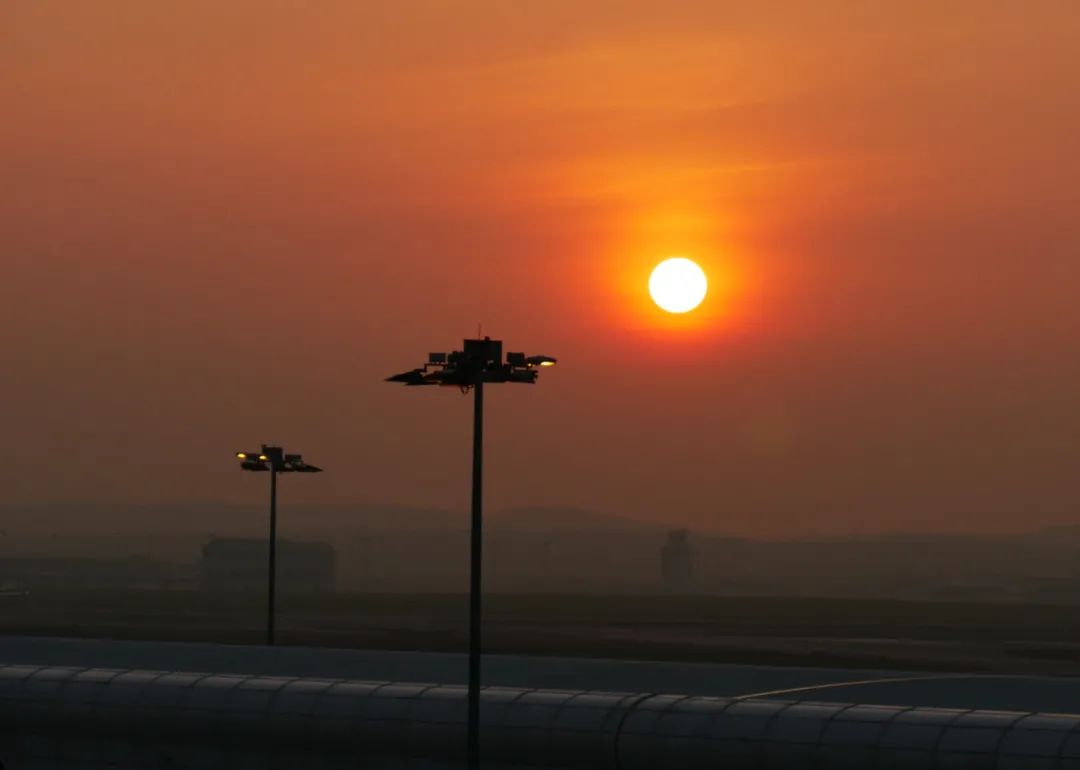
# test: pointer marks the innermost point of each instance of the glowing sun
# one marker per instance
(678, 285)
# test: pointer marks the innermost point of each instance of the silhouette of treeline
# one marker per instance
(381, 548)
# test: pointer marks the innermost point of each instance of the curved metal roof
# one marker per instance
(131, 716)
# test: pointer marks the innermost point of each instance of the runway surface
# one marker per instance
(1022, 693)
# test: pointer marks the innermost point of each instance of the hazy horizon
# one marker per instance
(110, 519)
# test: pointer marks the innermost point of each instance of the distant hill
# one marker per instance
(567, 519)
(219, 518)
(110, 518)
(329, 520)
(232, 519)
(1061, 533)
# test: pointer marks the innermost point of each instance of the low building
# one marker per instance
(241, 565)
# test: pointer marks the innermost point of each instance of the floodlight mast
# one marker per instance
(274, 460)
(480, 361)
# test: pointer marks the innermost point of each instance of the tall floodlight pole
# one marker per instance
(476, 566)
(274, 460)
(480, 362)
(271, 561)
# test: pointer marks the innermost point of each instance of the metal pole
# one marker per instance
(476, 553)
(272, 566)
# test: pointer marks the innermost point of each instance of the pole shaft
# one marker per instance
(272, 565)
(476, 560)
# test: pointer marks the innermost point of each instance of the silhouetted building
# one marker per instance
(677, 563)
(240, 564)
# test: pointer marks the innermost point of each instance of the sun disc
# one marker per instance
(678, 285)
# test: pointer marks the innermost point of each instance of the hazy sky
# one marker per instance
(223, 223)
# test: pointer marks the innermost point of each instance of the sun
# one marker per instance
(678, 285)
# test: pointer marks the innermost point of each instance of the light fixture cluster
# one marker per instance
(480, 361)
(273, 458)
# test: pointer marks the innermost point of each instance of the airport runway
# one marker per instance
(1024, 693)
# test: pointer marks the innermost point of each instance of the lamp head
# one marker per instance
(413, 377)
(526, 375)
(540, 361)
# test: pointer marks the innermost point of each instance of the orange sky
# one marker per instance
(225, 222)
